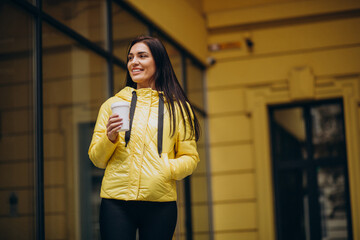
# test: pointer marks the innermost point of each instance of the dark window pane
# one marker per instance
(86, 17)
(294, 206)
(126, 27)
(119, 78)
(328, 132)
(331, 181)
(175, 57)
(199, 187)
(176, 60)
(289, 134)
(17, 218)
(195, 84)
(323, 200)
(75, 86)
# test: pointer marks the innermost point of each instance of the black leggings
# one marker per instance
(119, 220)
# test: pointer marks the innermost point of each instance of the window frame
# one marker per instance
(309, 165)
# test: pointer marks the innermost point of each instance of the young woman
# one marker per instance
(142, 164)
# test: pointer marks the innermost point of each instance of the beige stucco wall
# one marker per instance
(286, 35)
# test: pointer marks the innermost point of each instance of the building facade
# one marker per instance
(276, 85)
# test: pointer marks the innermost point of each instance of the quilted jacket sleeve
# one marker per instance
(101, 148)
(186, 157)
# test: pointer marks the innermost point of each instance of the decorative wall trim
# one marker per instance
(257, 102)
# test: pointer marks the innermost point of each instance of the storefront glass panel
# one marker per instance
(195, 84)
(87, 17)
(126, 27)
(175, 58)
(199, 189)
(119, 78)
(75, 86)
(17, 212)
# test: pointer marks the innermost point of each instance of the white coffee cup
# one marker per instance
(122, 109)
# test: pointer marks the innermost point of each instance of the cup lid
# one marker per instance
(120, 104)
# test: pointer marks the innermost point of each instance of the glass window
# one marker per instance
(289, 134)
(199, 189)
(180, 231)
(126, 27)
(198, 185)
(119, 78)
(311, 196)
(332, 189)
(175, 58)
(75, 85)
(328, 132)
(17, 218)
(195, 84)
(294, 223)
(87, 17)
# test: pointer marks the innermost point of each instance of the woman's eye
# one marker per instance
(130, 57)
(142, 56)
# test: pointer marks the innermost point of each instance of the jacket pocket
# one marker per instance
(166, 166)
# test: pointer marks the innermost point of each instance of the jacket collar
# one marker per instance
(126, 93)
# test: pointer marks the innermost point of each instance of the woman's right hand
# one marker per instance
(113, 126)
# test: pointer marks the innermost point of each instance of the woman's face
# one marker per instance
(141, 65)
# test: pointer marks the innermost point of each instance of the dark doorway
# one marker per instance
(310, 171)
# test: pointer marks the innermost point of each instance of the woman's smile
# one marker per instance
(136, 71)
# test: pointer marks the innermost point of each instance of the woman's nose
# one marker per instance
(135, 60)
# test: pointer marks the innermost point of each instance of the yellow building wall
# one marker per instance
(287, 35)
(183, 22)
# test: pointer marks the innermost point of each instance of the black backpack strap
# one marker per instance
(132, 111)
(160, 123)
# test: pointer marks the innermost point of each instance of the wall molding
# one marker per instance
(281, 13)
(257, 102)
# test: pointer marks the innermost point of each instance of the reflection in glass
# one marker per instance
(75, 85)
(87, 17)
(289, 134)
(199, 196)
(328, 132)
(199, 189)
(125, 28)
(17, 213)
(293, 205)
(326, 190)
(195, 84)
(180, 230)
(176, 61)
(175, 58)
(90, 183)
(119, 78)
(331, 181)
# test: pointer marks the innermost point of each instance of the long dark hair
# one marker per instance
(166, 81)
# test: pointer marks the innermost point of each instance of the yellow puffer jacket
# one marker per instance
(137, 172)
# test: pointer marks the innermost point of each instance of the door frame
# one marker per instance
(257, 101)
